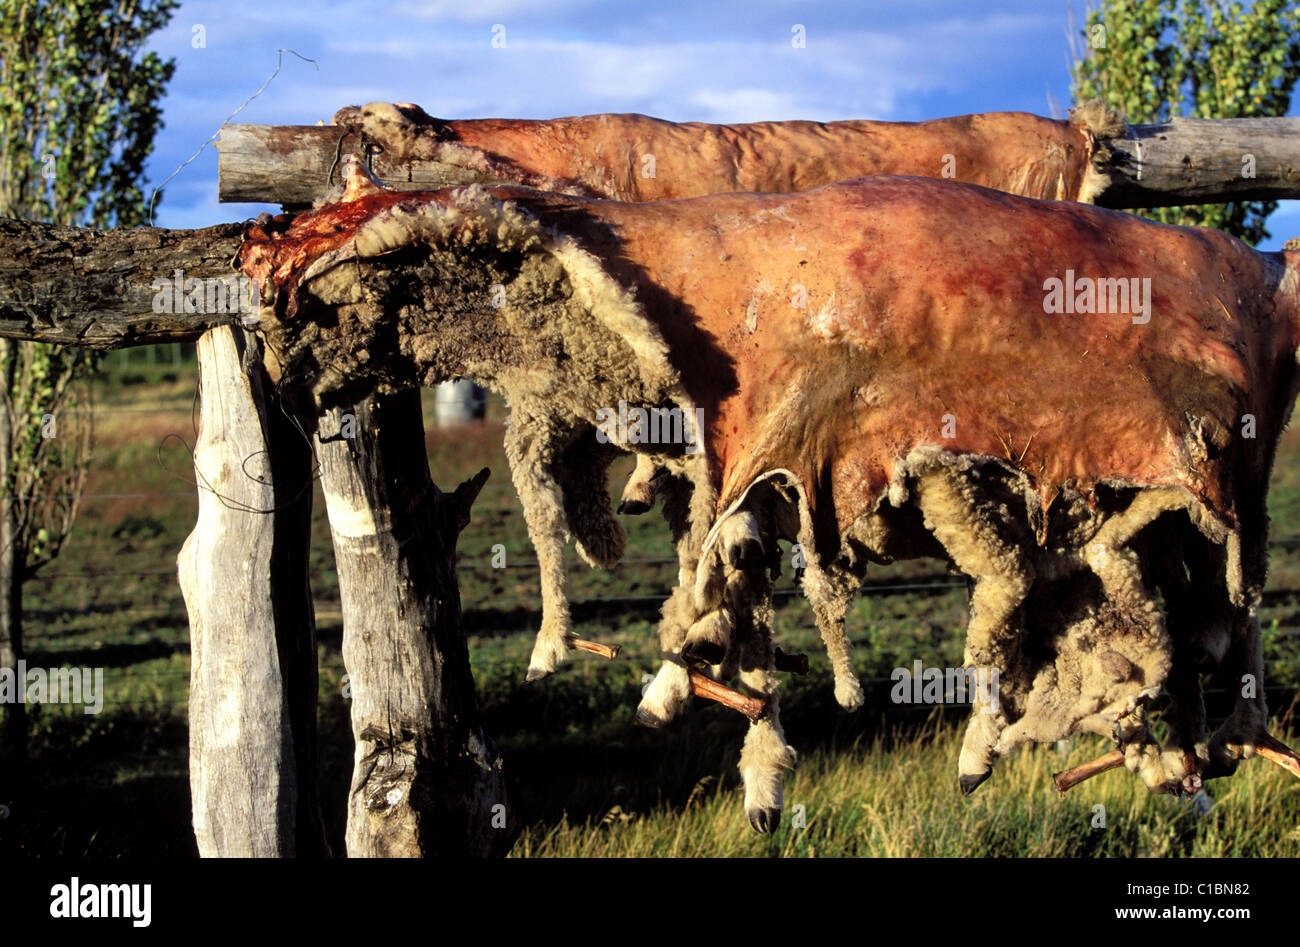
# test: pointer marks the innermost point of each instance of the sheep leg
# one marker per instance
(1247, 726)
(642, 485)
(829, 614)
(532, 460)
(1245, 732)
(708, 639)
(1187, 720)
(583, 476)
(741, 556)
(1117, 566)
(1187, 605)
(742, 541)
(830, 599)
(665, 696)
(688, 509)
(975, 762)
(1001, 574)
(1002, 578)
(765, 756)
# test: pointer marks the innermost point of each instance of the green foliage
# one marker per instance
(78, 114)
(78, 108)
(1155, 59)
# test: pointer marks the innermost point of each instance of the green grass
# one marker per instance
(586, 781)
(896, 797)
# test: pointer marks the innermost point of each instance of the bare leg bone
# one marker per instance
(1275, 751)
(594, 647)
(704, 686)
(1072, 777)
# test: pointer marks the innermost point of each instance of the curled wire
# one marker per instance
(202, 482)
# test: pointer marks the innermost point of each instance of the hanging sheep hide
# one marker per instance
(1083, 440)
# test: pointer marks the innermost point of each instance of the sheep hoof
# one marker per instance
(701, 654)
(1219, 767)
(971, 781)
(746, 555)
(764, 820)
(548, 651)
(645, 718)
(848, 693)
(634, 507)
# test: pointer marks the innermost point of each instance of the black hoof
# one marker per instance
(791, 663)
(535, 674)
(970, 783)
(746, 555)
(1219, 767)
(764, 820)
(646, 719)
(633, 507)
(701, 654)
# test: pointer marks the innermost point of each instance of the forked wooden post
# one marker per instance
(426, 779)
(243, 572)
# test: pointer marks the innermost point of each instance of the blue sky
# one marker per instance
(677, 59)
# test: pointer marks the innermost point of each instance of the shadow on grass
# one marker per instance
(117, 784)
(110, 655)
(105, 786)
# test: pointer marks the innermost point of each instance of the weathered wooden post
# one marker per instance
(427, 780)
(243, 572)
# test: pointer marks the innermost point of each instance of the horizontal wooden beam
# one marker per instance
(102, 289)
(1205, 161)
(294, 165)
(1186, 161)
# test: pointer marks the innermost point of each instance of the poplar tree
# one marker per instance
(78, 113)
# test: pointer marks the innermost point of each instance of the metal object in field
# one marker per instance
(459, 402)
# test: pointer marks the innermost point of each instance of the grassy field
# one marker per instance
(586, 781)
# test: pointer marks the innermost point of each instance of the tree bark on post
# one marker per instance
(13, 731)
(427, 781)
(243, 572)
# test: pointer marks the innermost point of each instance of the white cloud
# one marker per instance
(481, 11)
(728, 106)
